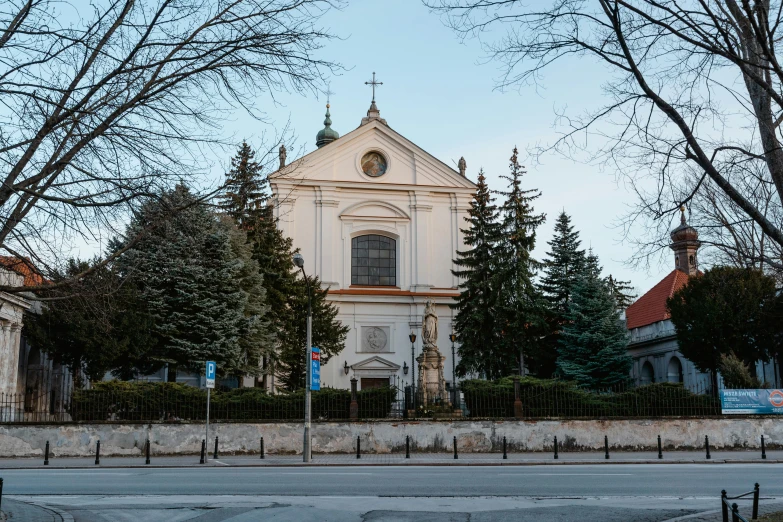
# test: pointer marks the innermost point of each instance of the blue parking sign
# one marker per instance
(211, 371)
(315, 369)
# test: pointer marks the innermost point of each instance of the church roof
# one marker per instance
(651, 307)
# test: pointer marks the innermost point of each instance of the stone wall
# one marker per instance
(388, 437)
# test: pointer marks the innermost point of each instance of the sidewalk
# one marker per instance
(16, 511)
(398, 459)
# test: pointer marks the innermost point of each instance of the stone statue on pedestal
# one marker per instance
(431, 381)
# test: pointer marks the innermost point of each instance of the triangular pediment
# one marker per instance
(376, 363)
(344, 161)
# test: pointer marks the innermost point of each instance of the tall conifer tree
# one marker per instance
(564, 263)
(520, 308)
(476, 321)
(593, 341)
(622, 291)
(247, 200)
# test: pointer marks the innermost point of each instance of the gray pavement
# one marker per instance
(397, 459)
(587, 492)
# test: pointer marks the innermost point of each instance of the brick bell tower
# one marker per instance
(685, 243)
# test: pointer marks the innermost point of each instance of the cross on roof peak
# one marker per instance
(374, 83)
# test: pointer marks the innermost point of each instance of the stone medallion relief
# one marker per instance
(375, 338)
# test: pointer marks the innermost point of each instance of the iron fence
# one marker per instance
(522, 399)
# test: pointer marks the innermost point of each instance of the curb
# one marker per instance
(463, 463)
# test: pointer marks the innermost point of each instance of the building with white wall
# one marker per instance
(377, 219)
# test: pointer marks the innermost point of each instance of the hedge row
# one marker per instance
(144, 401)
(563, 399)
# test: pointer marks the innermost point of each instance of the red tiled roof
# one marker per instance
(23, 267)
(651, 307)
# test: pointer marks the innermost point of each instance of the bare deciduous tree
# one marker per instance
(694, 87)
(103, 104)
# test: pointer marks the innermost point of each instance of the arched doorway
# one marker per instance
(674, 373)
(648, 374)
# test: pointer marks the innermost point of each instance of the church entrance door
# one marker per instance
(372, 382)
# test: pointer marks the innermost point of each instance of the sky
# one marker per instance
(440, 93)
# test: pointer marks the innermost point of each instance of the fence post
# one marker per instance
(98, 453)
(517, 398)
(755, 502)
(46, 454)
(455, 448)
(354, 409)
(606, 447)
(505, 456)
(707, 445)
(148, 452)
(262, 447)
(763, 449)
(660, 448)
(724, 507)
(735, 513)
(215, 456)
(1, 493)
(358, 446)
(203, 451)
(556, 457)
(407, 447)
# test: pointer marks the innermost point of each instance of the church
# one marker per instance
(377, 219)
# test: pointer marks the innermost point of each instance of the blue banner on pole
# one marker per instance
(754, 402)
(315, 369)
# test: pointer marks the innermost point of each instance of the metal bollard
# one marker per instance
(556, 457)
(724, 507)
(606, 447)
(98, 453)
(735, 513)
(358, 447)
(707, 445)
(455, 448)
(262, 447)
(660, 448)
(46, 454)
(505, 456)
(755, 502)
(203, 451)
(148, 452)
(215, 455)
(407, 447)
(763, 449)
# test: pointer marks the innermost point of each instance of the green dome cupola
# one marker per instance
(327, 134)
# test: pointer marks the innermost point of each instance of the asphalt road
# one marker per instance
(549, 481)
(607, 493)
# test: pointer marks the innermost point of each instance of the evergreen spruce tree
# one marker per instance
(623, 293)
(328, 333)
(520, 311)
(247, 201)
(564, 263)
(593, 340)
(190, 282)
(245, 188)
(476, 322)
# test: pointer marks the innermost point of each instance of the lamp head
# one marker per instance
(412, 337)
(345, 367)
(298, 260)
(405, 368)
(453, 337)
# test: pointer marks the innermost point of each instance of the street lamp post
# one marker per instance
(412, 337)
(306, 449)
(453, 338)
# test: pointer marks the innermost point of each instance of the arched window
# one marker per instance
(674, 373)
(648, 374)
(374, 260)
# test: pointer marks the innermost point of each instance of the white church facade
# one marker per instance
(378, 220)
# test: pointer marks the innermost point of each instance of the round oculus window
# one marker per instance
(374, 164)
